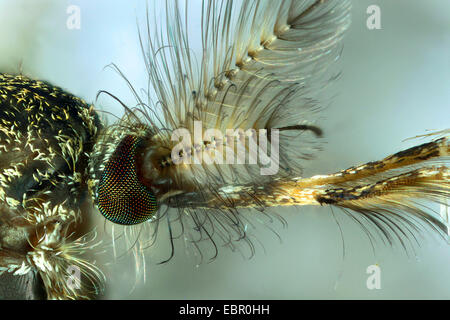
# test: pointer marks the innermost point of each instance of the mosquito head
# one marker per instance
(121, 196)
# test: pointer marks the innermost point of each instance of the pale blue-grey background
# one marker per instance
(395, 85)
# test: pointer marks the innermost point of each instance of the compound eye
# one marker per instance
(121, 197)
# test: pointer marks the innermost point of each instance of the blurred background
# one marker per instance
(395, 85)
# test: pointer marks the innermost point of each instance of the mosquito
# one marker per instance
(254, 96)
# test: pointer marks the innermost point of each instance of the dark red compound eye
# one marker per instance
(121, 197)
